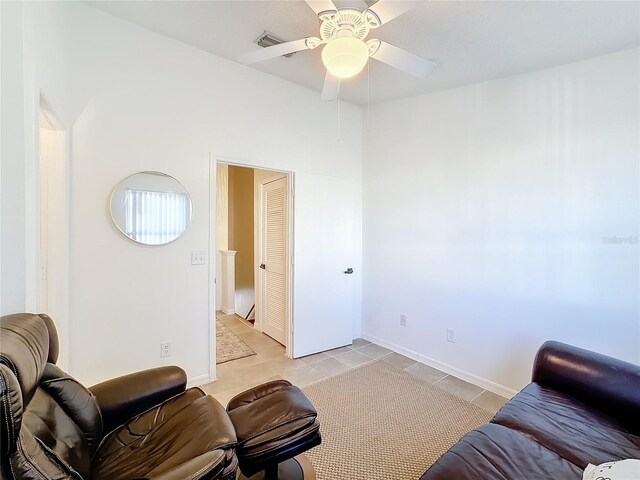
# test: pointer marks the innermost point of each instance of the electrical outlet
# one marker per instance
(403, 320)
(451, 335)
(165, 349)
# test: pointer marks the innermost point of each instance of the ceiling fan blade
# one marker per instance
(331, 88)
(320, 6)
(403, 60)
(272, 52)
(387, 10)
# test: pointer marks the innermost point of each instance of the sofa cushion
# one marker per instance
(576, 431)
(189, 431)
(494, 452)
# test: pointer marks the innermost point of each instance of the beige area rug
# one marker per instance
(381, 423)
(228, 345)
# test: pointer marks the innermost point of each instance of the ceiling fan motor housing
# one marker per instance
(343, 22)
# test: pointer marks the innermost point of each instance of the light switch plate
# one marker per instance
(198, 258)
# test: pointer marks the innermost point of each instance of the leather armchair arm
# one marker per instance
(604, 382)
(120, 399)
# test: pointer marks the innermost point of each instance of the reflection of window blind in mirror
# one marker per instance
(155, 218)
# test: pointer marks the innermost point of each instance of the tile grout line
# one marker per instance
(474, 398)
(439, 380)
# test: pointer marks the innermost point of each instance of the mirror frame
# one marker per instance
(153, 172)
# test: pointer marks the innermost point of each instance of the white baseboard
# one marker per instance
(197, 381)
(230, 311)
(446, 368)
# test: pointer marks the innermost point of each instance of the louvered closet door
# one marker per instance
(274, 258)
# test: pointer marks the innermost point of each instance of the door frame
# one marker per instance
(214, 160)
(38, 103)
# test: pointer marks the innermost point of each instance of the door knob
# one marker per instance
(263, 266)
(349, 271)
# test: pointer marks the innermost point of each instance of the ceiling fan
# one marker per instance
(345, 53)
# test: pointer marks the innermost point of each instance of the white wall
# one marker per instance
(12, 165)
(137, 101)
(485, 211)
(485, 206)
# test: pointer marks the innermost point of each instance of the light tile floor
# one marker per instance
(270, 363)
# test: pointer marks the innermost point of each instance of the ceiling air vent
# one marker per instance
(267, 39)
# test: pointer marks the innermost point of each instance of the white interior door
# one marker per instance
(324, 230)
(274, 259)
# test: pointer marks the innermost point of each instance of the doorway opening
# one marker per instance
(253, 264)
(52, 295)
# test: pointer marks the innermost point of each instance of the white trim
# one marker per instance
(230, 311)
(49, 113)
(199, 380)
(213, 259)
(247, 164)
(290, 262)
(32, 190)
(58, 169)
(213, 161)
(501, 390)
(35, 100)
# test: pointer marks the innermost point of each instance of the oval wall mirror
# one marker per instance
(151, 208)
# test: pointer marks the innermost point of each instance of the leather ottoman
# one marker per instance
(274, 422)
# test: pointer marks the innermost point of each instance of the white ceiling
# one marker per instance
(473, 41)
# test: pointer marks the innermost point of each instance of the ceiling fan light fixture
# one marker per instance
(345, 57)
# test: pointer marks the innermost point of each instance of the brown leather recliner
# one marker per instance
(143, 425)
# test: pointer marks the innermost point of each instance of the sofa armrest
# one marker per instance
(604, 382)
(120, 399)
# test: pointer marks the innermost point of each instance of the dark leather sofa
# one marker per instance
(581, 408)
